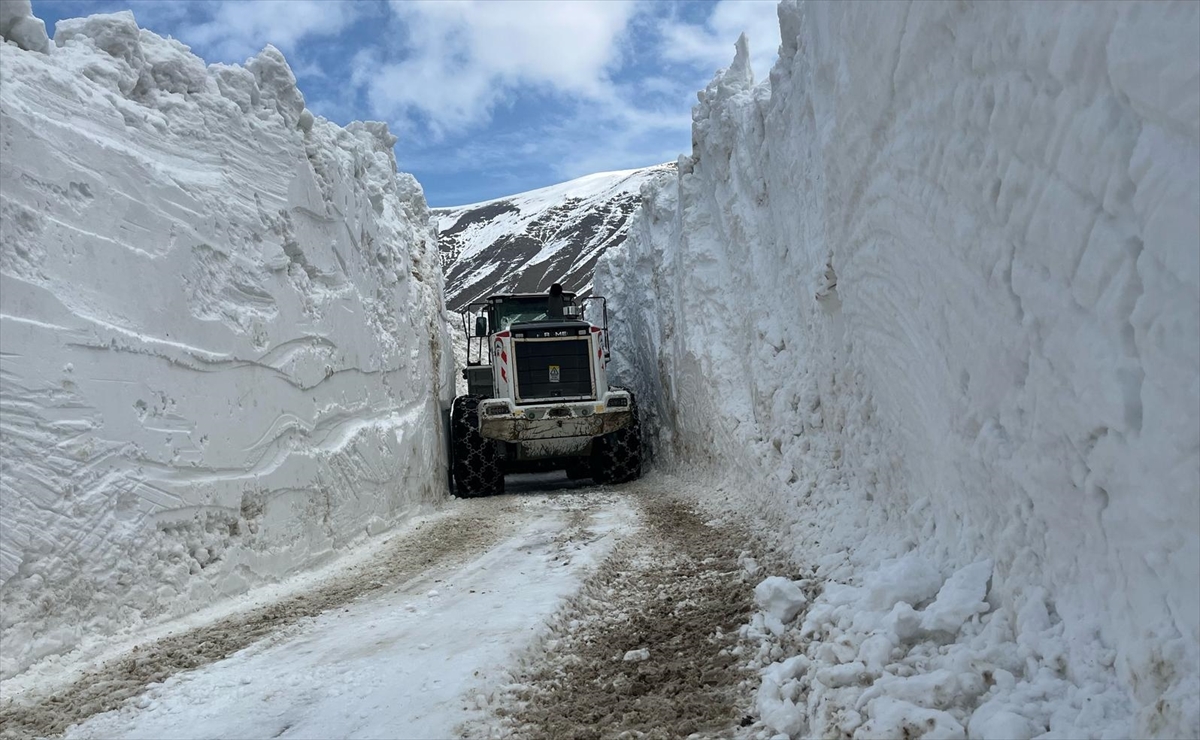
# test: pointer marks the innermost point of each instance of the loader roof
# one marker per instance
(501, 296)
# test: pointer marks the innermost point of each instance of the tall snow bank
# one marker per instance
(223, 333)
(939, 281)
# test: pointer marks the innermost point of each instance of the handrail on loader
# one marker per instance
(482, 308)
(603, 324)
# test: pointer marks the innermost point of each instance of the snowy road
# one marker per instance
(511, 615)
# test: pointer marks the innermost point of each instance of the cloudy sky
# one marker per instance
(488, 97)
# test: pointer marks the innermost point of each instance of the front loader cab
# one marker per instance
(485, 319)
(505, 310)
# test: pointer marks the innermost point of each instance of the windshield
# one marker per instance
(516, 312)
(526, 310)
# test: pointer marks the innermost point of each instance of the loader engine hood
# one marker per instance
(547, 329)
(552, 360)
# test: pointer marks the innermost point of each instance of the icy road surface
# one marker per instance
(549, 612)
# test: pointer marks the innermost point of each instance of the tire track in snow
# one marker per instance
(433, 544)
(676, 590)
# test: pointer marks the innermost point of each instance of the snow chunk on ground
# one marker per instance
(892, 718)
(995, 722)
(781, 599)
(911, 579)
(959, 599)
(779, 704)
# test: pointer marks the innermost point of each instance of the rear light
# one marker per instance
(495, 409)
(618, 402)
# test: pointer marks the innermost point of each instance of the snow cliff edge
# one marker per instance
(222, 327)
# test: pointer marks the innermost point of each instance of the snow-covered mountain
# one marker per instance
(527, 241)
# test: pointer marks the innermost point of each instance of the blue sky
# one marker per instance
(487, 97)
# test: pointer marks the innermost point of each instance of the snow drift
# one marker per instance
(223, 331)
(940, 282)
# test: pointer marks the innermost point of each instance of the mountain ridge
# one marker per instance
(526, 241)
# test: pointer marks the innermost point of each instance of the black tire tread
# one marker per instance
(477, 467)
(617, 456)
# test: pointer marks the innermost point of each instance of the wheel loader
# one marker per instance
(538, 397)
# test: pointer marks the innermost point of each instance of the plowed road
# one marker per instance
(551, 612)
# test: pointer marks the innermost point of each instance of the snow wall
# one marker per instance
(939, 282)
(223, 332)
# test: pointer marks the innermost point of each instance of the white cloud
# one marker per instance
(487, 95)
(151, 14)
(711, 44)
(620, 107)
(627, 137)
(461, 58)
(236, 29)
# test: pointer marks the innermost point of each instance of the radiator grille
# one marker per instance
(534, 371)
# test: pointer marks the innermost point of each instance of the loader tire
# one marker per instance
(580, 469)
(617, 456)
(478, 468)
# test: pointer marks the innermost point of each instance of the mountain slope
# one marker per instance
(527, 241)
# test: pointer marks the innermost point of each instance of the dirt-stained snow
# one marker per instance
(650, 646)
(560, 610)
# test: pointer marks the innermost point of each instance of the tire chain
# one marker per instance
(477, 467)
(618, 457)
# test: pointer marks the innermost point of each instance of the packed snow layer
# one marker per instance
(940, 281)
(223, 333)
